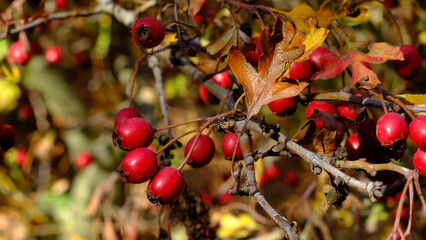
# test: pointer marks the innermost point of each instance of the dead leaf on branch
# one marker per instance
(329, 137)
(231, 38)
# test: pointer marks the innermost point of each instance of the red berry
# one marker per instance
(53, 54)
(61, 4)
(133, 133)
(7, 137)
(166, 186)
(198, 19)
(148, 32)
(320, 106)
(419, 161)
(228, 144)
(284, 106)
(25, 112)
(391, 128)
(223, 80)
(125, 114)
(19, 53)
(367, 136)
(83, 159)
(411, 62)
(225, 198)
(203, 152)
(353, 147)
(21, 156)
(320, 57)
(397, 150)
(270, 173)
(346, 109)
(254, 55)
(418, 132)
(138, 166)
(291, 178)
(301, 70)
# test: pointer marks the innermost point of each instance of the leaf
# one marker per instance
(329, 138)
(413, 99)
(279, 49)
(233, 37)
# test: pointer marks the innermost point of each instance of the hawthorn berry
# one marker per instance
(419, 161)
(53, 54)
(61, 4)
(411, 62)
(83, 159)
(203, 152)
(417, 131)
(346, 109)
(7, 137)
(19, 53)
(228, 144)
(320, 106)
(301, 70)
(223, 80)
(138, 166)
(254, 55)
(148, 32)
(166, 186)
(270, 173)
(133, 133)
(391, 128)
(353, 147)
(284, 106)
(125, 114)
(320, 57)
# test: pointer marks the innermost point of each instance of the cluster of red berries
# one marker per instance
(20, 53)
(273, 173)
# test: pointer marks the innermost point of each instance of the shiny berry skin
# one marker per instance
(223, 80)
(166, 186)
(391, 128)
(83, 159)
(301, 70)
(320, 106)
(148, 32)
(417, 131)
(61, 4)
(138, 166)
(133, 133)
(18, 53)
(203, 152)
(125, 114)
(353, 147)
(284, 106)
(53, 54)
(319, 57)
(411, 62)
(419, 161)
(367, 136)
(346, 109)
(7, 137)
(254, 55)
(228, 144)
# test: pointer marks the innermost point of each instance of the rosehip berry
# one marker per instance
(83, 159)
(284, 106)
(367, 136)
(133, 133)
(419, 161)
(346, 109)
(411, 62)
(138, 166)
(203, 152)
(148, 32)
(19, 53)
(166, 186)
(53, 55)
(417, 131)
(254, 55)
(7, 137)
(391, 128)
(320, 106)
(353, 147)
(301, 70)
(228, 144)
(223, 80)
(125, 114)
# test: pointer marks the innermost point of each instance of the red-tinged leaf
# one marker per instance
(332, 67)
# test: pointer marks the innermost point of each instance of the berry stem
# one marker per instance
(175, 139)
(190, 151)
(180, 124)
(133, 77)
(383, 101)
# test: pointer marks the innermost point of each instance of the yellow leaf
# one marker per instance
(413, 99)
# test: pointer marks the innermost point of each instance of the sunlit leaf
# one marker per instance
(413, 99)
(231, 38)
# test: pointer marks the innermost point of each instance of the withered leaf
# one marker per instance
(231, 38)
(329, 137)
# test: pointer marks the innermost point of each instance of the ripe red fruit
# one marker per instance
(270, 173)
(291, 178)
(53, 54)
(320, 106)
(367, 136)
(417, 131)
(353, 147)
(83, 159)
(419, 161)
(346, 109)
(320, 57)
(138, 166)
(133, 133)
(253, 55)
(166, 186)
(391, 128)
(125, 114)
(19, 53)
(7, 137)
(21, 156)
(228, 144)
(411, 62)
(284, 106)
(25, 112)
(61, 4)
(203, 152)
(301, 70)
(223, 80)
(148, 32)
